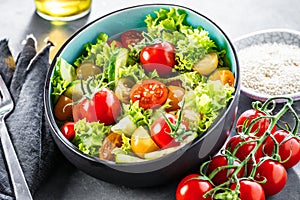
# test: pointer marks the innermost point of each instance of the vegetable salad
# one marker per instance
(143, 93)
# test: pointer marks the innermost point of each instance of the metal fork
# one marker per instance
(18, 180)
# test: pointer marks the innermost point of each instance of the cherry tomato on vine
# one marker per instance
(260, 126)
(160, 131)
(131, 37)
(68, 130)
(159, 57)
(149, 93)
(224, 174)
(243, 146)
(249, 190)
(275, 175)
(103, 107)
(192, 187)
(289, 150)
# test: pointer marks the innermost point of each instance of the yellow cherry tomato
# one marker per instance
(141, 142)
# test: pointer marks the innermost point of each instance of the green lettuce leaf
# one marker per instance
(89, 136)
(138, 115)
(63, 75)
(192, 43)
(208, 99)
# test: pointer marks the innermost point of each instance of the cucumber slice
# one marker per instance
(121, 60)
(74, 91)
(123, 158)
(67, 71)
(160, 153)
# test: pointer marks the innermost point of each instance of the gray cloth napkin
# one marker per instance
(27, 125)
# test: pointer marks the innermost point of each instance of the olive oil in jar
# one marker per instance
(62, 10)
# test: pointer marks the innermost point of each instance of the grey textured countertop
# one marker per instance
(235, 17)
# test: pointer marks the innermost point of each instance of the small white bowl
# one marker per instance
(280, 36)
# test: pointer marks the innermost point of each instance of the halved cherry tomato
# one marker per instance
(260, 126)
(159, 57)
(63, 108)
(103, 107)
(150, 94)
(68, 130)
(289, 150)
(224, 174)
(224, 75)
(275, 175)
(249, 190)
(160, 131)
(175, 96)
(192, 187)
(131, 37)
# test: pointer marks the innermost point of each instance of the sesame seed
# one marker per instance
(272, 68)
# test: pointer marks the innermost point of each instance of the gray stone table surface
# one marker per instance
(235, 17)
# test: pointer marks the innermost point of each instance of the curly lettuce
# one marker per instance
(63, 75)
(191, 43)
(208, 99)
(89, 136)
(138, 115)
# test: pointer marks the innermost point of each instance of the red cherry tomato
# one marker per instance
(289, 150)
(244, 147)
(249, 190)
(131, 37)
(260, 126)
(117, 43)
(275, 175)
(224, 174)
(68, 130)
(103, 107)
(149, 93)
(192, 187)
(160, 131)
(159, 57)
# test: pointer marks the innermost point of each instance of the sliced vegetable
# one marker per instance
(87, 69)
(123, 89)
(124, 158)
(224, 75)
(207, 64)
(141, 142)
(150, 94)
(124, 126)
(175, 96)
(110, 142)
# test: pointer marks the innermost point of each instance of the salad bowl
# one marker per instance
(170, 163)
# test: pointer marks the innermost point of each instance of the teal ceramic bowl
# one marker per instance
(174, 165)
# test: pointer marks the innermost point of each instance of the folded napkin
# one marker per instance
(27, 126)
